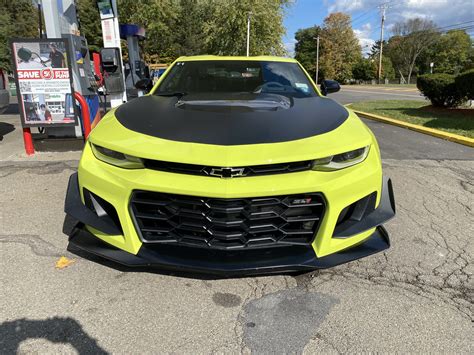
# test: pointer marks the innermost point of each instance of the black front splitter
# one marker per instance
(228, 263)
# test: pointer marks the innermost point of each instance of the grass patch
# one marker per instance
(459, 121)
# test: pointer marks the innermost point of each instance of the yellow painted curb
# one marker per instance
(431, 131)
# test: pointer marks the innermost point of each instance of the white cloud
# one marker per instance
(290, 47)
(442, 12)
(345, 5)
(363, 34)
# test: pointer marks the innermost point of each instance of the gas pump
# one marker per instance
(112, 53)
(112, 70)
(137, 69)
(61, 21)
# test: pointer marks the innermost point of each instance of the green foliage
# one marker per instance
(89, 20)
(226, 29)
(339, 48)
(305, 48)
(465, 83)
(451, 52)
(18, 18)
(6, 30)
(388, 72)
(411, 39)
(190, 27)
(364, 69)
(440, 89)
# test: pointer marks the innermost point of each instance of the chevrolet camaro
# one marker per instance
(231, 165)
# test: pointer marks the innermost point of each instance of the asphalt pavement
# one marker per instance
(415, 297)
(355, 93)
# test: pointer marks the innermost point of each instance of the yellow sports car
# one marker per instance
(231, 165)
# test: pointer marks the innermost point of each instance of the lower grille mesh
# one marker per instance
(227, 223)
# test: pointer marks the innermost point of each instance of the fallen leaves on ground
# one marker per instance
(64, 262)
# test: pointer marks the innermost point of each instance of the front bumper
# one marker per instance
(228, 263)
(88, 227)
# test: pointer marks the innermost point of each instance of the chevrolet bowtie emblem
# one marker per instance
(227, 172)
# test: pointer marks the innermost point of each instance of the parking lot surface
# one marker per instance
(355, 93)
(415, 297)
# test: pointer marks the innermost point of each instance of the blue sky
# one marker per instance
(366, 15)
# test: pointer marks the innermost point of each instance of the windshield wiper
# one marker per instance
(173, 93)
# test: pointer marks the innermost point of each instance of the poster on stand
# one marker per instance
(43, 82)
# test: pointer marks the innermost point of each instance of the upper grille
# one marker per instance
(227, 223)
(204, 170)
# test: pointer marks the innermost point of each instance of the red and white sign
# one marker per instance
(43, 74)
(44, 85)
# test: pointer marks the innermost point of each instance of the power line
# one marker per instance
(457, 24)
(361, 16)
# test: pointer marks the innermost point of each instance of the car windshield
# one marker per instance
(236, 77)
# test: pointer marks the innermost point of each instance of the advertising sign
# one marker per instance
(43, 82)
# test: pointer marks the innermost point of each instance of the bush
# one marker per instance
(465, 83)
(441, 90)
(363, 70)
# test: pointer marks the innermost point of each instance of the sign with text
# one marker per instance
(43, 82)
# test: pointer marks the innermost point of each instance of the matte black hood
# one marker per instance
(244, 120)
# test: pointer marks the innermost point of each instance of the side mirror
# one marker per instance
(329, 86)
(144, 84)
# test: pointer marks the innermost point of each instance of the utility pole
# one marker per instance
(248, 33)
(382, 8)
(317, 59)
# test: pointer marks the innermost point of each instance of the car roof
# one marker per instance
(266, 58)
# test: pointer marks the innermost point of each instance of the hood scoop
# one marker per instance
(266, 103)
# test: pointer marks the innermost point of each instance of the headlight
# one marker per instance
(116, 158)
(341, 161)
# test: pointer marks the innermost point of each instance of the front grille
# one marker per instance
(227, 223)
(227, 172)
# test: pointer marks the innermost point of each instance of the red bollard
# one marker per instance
(28, 140)
(86, 118)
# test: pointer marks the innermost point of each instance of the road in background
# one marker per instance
(415, 297)
(355, 93)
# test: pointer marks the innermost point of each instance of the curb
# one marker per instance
(430, 131)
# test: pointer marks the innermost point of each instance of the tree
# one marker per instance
(188, 27)
(160, 20)
(451, 52)
(341, 47)
(18, 18)
(89, 22)
(305, 48)
(191, 22)
(227, 29)
(375, 49)
(410, 39)
(364, 69)
(387, 68)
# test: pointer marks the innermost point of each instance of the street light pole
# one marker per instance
(248, 33)
(317, 59)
